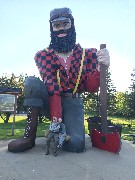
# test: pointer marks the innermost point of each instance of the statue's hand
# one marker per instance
(103, 57)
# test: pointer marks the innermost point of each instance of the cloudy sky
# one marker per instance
(24, 29)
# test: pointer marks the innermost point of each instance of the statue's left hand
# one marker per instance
(103, 57)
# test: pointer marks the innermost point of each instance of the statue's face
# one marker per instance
(63, 36)
(61, 25)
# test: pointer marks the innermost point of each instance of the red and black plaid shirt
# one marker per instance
(48, 63)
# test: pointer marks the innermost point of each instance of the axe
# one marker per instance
(103, 95)
(105, 140)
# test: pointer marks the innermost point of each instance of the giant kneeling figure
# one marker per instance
(67, 70)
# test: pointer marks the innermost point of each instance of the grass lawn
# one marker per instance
(128, 127)
(20, 123)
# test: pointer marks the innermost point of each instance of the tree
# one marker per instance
(90, 101)
(131, 96)
(111, 91)
(121, 104)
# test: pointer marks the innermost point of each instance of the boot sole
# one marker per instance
(17, 146)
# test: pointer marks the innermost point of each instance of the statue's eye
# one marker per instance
(56, 25)
(65, 24)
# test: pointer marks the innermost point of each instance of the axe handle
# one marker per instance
(103, 96)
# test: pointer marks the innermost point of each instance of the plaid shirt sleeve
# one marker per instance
(93, 75)
(47, 70)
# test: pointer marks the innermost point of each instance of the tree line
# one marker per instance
(118, 103)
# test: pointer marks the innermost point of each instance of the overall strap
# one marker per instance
(80, 72)
(58, 77)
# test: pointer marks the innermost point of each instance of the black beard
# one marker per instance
(63, 44)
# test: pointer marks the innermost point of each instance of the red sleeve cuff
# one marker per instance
(55, 106)
(93, 82)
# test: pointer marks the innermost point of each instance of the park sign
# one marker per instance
(8, 101)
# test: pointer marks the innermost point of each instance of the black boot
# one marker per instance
(47, 151)
(55, 153)
(28, 141)
(55, 148)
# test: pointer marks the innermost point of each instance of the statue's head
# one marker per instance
(63, 35)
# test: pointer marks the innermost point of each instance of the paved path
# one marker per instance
(93, 164)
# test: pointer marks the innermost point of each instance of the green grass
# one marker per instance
(20, 123)
(128, 127)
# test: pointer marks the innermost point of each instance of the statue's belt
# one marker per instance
(71, 95)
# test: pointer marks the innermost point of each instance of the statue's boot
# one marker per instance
(28, 141)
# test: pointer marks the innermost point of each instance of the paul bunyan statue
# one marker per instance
(67, 70)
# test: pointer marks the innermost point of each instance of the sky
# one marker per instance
(25, 29)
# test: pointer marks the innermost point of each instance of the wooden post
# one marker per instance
(103, 96)
(13, 123)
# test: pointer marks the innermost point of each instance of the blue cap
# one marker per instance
(60, 14)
